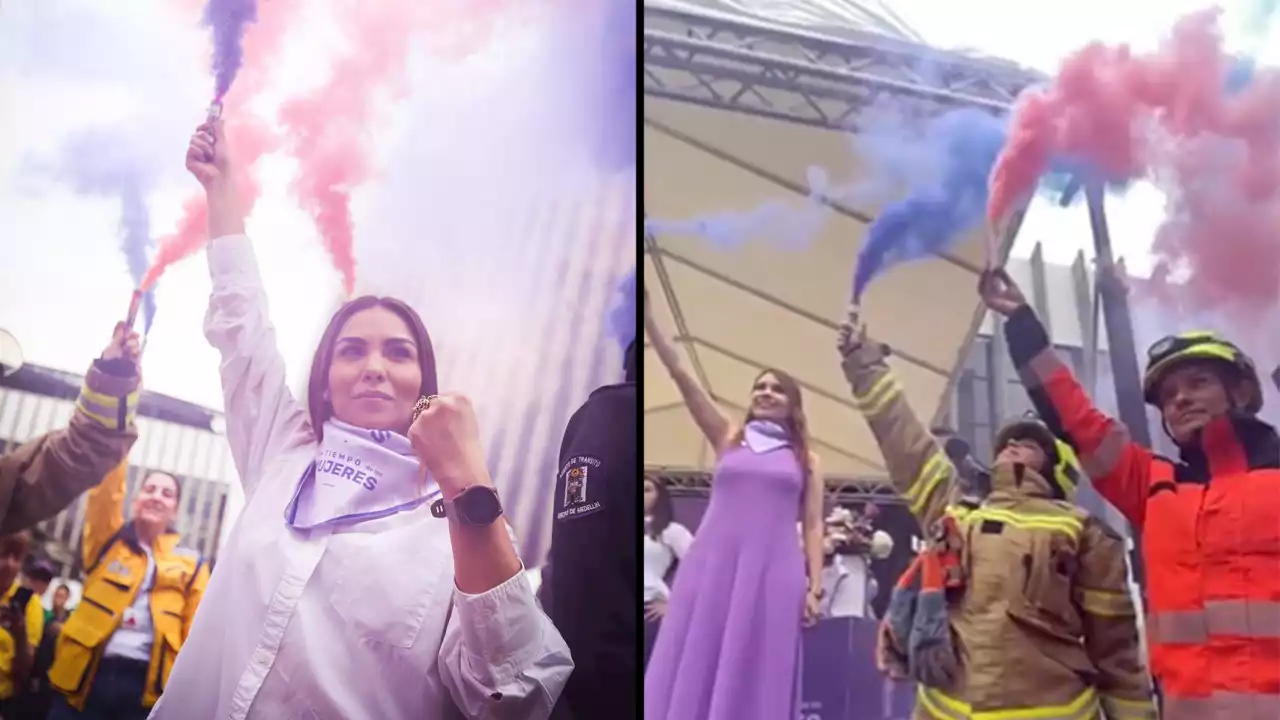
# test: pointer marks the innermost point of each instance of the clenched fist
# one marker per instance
(208, 157)
(856, 348)
(124, 344)
(446, 438)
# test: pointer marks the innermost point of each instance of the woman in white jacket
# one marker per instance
(342, 593)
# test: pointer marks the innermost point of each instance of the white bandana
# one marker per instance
(763, 436)
(358, 475)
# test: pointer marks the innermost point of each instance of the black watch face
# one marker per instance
(478, 506)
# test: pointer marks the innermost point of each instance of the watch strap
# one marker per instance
(443, 508)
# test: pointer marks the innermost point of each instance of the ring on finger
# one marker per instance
(421, 406)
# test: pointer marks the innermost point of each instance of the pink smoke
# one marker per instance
(1166, 116)
(250, 137)
(328, 130)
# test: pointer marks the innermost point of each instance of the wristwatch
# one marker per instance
(477, 506)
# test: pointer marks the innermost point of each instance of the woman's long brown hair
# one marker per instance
(318, 408)
(796, 424)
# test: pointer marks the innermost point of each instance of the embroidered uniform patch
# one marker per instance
(576, 496)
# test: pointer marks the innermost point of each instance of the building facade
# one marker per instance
(175, 437)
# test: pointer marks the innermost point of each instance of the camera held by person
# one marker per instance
(849, 533)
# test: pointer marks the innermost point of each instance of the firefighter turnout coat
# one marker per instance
(1039, 617)
(46, 474)
(1210, 532)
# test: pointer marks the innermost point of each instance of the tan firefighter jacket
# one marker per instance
(1043, 626)
(44, 475)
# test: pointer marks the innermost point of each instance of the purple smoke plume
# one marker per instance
(100, 163)
(228, 20)
(622, 318)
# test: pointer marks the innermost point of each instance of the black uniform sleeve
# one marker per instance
(592, 587)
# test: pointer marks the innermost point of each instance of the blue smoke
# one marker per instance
(945, 170)
(622, 319)
(942, 167)
(941, 206)
(789, 225)
(135, 224)
(1240, 74)
(100, 163)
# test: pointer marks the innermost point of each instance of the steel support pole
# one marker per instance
(1115, 311)
(1123, 351)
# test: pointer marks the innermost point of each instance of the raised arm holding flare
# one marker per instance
(41, 477)
(371, 574)
(1017, 608)
(1209, 521)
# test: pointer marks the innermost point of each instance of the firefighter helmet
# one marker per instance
(1173, 350)
(1059, 456)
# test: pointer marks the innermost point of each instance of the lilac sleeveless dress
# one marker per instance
(730, 644)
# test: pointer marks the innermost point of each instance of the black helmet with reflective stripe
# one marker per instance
(1174, 350)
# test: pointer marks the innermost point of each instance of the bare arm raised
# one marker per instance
(713, 423)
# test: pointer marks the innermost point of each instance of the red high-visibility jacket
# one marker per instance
(1210, 530)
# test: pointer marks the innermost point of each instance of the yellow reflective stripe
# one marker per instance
(1065, 523)
(100, 399)
(878, 386)
(1107, 603)
(107, 422)
(935, 470)
(959, 512)
(106, 409)
(1067, 472)
(882, 392)
(1122, 709)
(1084, 707)
(924, 697)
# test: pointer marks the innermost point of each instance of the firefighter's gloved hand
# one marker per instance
(934, 666)
(933, 657)
(889, 660)
(857, 350)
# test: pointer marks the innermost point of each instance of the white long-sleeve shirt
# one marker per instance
(659, 554)
(845, 585)
(358, 623)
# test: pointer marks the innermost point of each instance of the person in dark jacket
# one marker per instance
(595, 593)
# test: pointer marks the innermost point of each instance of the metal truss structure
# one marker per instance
(844, 490)
(748, 67)
(743, 66)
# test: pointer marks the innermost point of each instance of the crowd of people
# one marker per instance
(371, 574)
(1018, 605)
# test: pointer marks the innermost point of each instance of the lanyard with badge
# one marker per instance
(136, 615)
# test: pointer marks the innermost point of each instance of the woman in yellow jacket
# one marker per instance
(140, 594)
